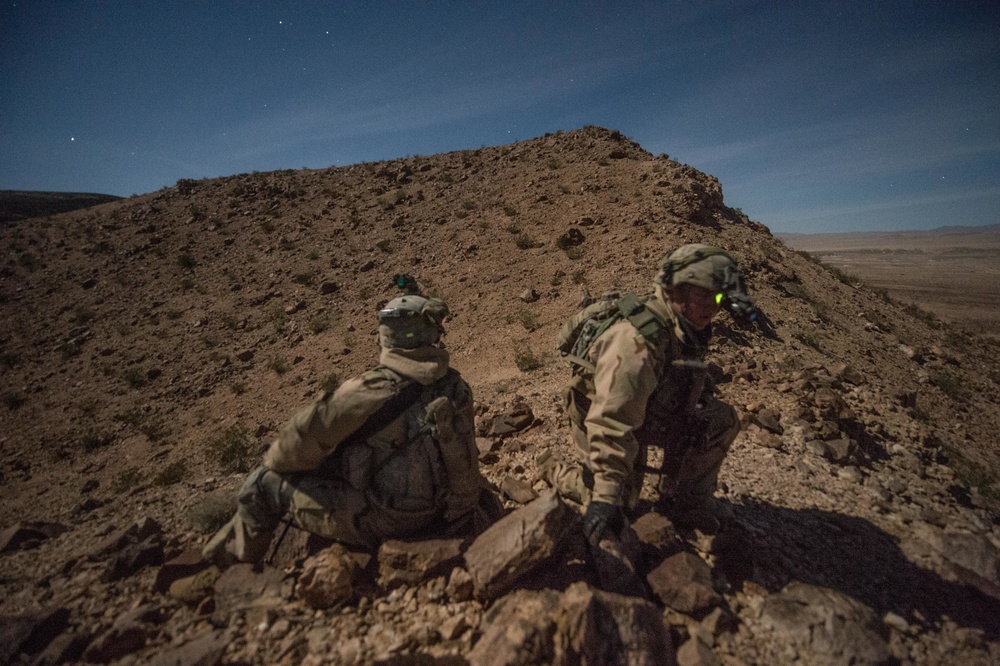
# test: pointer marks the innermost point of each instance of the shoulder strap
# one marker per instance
(644, 321)
(390, 410)
(630, 307)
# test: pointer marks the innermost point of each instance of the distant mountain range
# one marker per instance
(18, 205)
(790, 237)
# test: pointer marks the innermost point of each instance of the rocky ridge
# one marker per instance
(153, 345)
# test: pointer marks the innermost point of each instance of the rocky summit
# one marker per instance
(152, 346)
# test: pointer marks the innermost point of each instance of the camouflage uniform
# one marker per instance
(644, 391)
(409, 471)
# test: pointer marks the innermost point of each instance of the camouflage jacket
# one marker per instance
(422, 461)
(612, 408)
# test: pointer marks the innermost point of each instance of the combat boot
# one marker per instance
(700, 512)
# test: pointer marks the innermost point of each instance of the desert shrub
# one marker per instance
(278, 364)
(509, 211)
(525, 241)
(579, 277)
(14, 399)
(126, 480)
(82, 315)
(234, 450)
(238, 387)
(461, 214)
(171, 474)
(469, 205)
(385, 245)
(574, 252)
(134, 377)
(154, 429)
(950, 384)
(528, 319)
(525, 359)
(91, 440)
(918, 312)
(186, 261)
(68, 350)
(552, 163)
(330, 382)
(319, 323)
(304, 279)
(972, 473)
(9, 358)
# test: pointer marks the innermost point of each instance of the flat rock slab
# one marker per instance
(827, 627)
(240, 587)
(410, 562)
(518, 543)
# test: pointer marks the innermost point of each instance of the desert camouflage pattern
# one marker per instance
(417, 473)
(613, 419)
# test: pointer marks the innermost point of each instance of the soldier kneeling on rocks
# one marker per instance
(389, 454)
(639, 380)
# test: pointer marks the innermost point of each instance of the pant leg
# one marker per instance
(697, 475)
(261, 502)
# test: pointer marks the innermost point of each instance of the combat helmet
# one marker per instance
(711, 268)
(701, 265)
(411, 321)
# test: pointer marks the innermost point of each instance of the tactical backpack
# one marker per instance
(582, 329)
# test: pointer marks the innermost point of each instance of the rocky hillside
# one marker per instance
(151, 346)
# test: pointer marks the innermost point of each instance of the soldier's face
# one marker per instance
(696, 304)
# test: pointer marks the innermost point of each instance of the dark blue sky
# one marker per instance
(815, 116)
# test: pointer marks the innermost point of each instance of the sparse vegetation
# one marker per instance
(278, 364)
(234, 450)
(14, 399)
(525, 359)
(950, 384)
(528, 319)
(91, 440)
(385, 245)
(126, 480)
(525, 242)
(171, 474)
(330, 382)
(186, 261)
(154, 429)
(928, 318)
(134, 377)
(319, 323)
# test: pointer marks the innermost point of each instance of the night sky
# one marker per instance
(815, 116)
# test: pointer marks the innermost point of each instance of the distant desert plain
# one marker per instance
(951, 272)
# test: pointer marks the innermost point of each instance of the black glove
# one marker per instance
(599, 519)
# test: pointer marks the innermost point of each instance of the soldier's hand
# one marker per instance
(600, 519)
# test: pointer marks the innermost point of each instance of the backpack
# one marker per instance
(580, 331)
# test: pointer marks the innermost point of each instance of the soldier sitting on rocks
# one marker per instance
(639, 379)
(389, 454)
